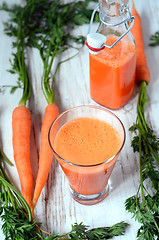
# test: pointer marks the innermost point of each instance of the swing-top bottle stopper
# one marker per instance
(95, 42)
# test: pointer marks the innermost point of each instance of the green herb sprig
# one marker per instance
(145, 204)
(80, 231)
(154, 39)
(15, 213)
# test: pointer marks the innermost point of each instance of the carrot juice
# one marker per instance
(86, 141)
(112, 73)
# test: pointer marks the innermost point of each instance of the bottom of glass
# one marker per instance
(89, 199)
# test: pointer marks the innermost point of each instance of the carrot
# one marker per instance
(21, 125)
(46, 153)
(51, 112)
(21, 117)
(142, 70)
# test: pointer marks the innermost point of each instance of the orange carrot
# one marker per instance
(21, 118)
(46, 153)
(142, 70)
(21, 126)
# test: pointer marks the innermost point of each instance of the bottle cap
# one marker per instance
(95, 42)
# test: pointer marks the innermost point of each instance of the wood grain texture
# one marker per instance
(55, 208)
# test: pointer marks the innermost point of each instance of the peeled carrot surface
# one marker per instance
(21, 127)
(87, 141)
(112, 74)
(46, 153)
(142, 70)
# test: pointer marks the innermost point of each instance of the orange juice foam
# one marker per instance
(87, 141)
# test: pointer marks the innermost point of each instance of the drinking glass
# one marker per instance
(88, 183)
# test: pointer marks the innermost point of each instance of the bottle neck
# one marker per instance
(116, 24)
(114, 11)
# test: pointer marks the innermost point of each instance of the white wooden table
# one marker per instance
(55, 208)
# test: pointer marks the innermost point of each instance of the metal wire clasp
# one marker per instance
(130, 18)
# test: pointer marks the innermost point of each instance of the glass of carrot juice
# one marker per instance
(87, 141)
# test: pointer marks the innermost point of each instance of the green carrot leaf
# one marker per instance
(145, 204)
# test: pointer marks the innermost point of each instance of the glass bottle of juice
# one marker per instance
(113, 63)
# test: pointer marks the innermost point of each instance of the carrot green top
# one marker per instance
(18, 64)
